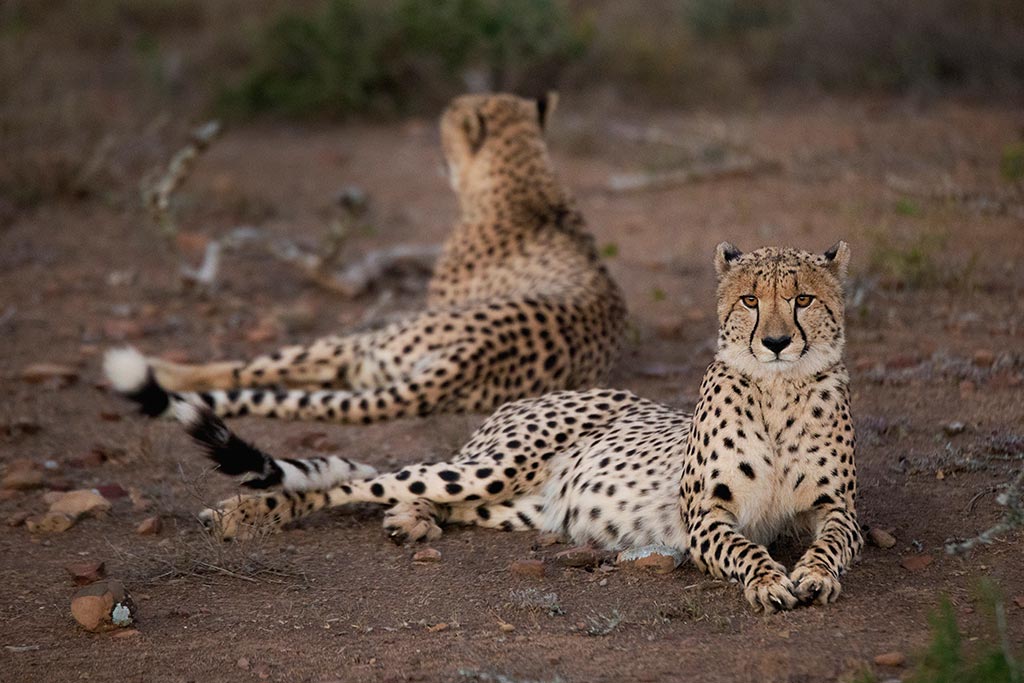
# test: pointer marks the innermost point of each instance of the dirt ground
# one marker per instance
(935, 336)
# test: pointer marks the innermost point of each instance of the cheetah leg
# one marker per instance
(440, 483)
(838, 541)
(718, 549)
(518, 514)
(324, 363)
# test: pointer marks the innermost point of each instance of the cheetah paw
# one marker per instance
(238, 517)
(815, 584)
(771, 591)
(404, 525)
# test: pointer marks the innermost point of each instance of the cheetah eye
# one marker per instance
(750, 301)
(804, 300)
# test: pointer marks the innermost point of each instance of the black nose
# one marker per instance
(776, 344)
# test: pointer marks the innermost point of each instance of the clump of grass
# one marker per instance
(912, 263)
(1012, 163)
(602, 624)
(990, 661)
(533, 599)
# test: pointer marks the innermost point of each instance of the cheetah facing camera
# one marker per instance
(519, 304)
(769, 447)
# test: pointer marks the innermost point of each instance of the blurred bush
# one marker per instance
(360, 56)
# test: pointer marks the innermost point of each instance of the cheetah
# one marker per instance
(769, 448)
(519, 304)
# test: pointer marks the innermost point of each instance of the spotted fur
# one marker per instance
(770, 446)
(519, 304)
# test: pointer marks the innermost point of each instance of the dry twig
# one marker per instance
(739, 167)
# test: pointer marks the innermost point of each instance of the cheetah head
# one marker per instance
(780, 311)
(480, 133)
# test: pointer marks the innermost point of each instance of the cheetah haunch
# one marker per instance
(519, 304)
(769, 447)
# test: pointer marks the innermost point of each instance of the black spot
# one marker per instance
(722, 492)
(453, 488)
(449, 475)
(417, 487)
(377, 490)
(484, 472)
(495, 487)
(746, 469)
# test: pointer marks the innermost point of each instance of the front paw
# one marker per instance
(771, 591)
(815, 584)
(239, 517)
(405, 523)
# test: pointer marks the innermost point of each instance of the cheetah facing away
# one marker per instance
(769, 447)
(519, 304)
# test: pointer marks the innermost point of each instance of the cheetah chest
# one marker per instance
(764, 454)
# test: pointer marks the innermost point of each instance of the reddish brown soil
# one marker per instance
(333, 599)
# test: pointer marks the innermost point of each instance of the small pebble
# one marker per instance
(890, 659)
(150, 526)
(881, 538)
(86, 572)
(581, 556)
(916, 563)
(954, 428)
(427, 555)
(534, 568)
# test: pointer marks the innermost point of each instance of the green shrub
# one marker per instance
(360, 56)
(989, 661)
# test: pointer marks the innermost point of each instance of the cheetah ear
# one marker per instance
(474, 127)
(546, 105)
(837, 259)
(725, 254)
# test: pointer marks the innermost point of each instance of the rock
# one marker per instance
(243, 663)
(659, 559)
(548, 539)
(983, 358)
(111, 491)
(86, 572)
(150, 526)
(916, 563)
(139, 502)
(881, 537)
(894, 658)
(506, 627)
(23, 475)
(533, 568)
(18, 518)
(954, 428)
(61, 375)
(126, 633)
(427, 555)
(103, 606)
(80, 503)
(581, 556)
(51, 497)
(49, 523)
(1019, 601)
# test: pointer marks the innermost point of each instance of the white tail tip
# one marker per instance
(126, 369)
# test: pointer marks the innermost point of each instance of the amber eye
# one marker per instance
(750, 301)
(804, 300)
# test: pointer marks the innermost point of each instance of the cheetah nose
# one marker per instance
(776, 344)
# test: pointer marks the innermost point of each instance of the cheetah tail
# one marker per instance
(234, 456)
(131, 376)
